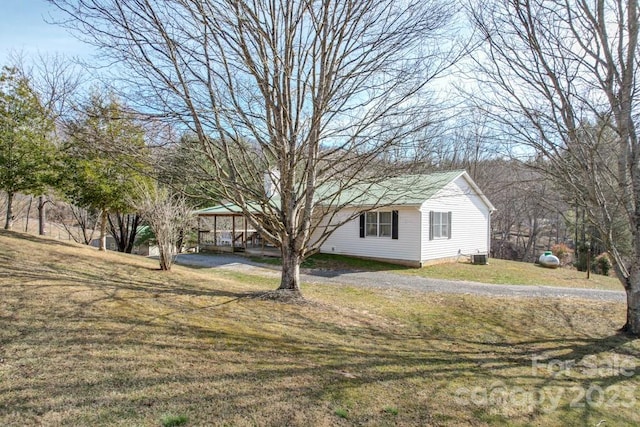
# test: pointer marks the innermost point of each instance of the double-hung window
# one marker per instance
(384, 224)
(440, 225)
(379, 224)
(372, 223)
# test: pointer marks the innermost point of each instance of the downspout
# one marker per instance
(420, 235)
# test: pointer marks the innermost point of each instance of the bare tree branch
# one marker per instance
(318, 92)
(562, 76)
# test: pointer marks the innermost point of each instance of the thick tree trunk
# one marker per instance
(632, 326)
(133, 231)
(166, 257)
(291, 260)
(9, 219)
(632, 288)
(103, 231)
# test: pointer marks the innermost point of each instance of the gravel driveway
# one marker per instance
(397, 280)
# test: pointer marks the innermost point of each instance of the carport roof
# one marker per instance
(229, 209)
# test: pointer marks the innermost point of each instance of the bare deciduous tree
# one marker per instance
(79, 223)
(123, 227)
(56, 78)
(315, 93)
(168, 217)
(550, 68)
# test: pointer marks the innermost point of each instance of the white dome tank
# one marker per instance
(548, 259)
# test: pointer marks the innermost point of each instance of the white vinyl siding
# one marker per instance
(346, 240)
(469, 222)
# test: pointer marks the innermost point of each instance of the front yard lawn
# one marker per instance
(105, 339)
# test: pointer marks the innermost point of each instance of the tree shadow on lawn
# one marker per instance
(44, 240)
(328, 273)
(314, 354)
(331, 265)
(327, 369)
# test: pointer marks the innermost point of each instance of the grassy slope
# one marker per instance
(89, 338)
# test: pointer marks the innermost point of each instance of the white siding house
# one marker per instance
(410, 219)
(436, 218)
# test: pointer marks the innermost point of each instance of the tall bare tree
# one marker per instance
(551, 67)
(56, 78)
(311, 92)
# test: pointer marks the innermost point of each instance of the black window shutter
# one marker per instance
(362, 225)
(394, 224)
(430, 225)
(449, 220)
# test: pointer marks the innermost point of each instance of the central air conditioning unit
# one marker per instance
(479, 259)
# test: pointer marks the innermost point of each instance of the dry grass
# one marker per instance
(90, 338)
(499, 272)
(503, 272)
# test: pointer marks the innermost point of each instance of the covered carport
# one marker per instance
(224, 228)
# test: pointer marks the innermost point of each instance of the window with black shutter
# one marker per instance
(379, 224)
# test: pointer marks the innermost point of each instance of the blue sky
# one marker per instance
(23, 29)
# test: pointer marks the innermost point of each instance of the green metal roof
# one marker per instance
(229, 209)
(404, 190)
(400, 190)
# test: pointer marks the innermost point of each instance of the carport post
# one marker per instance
(233, 233)
(199, 231)
(246, 233)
